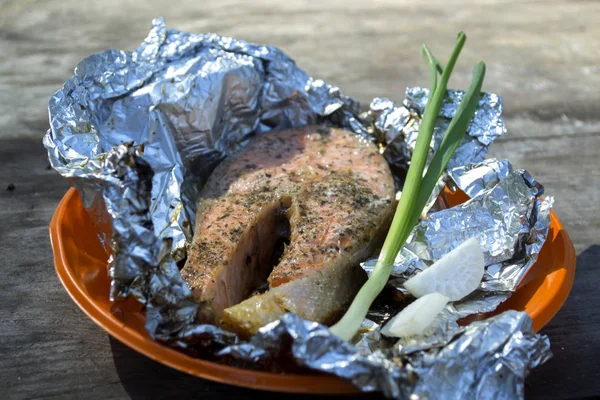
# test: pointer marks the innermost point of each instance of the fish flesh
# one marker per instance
(294, 213)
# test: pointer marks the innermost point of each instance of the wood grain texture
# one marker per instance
(542, 58)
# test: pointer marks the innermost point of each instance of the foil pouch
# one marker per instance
(139, 132)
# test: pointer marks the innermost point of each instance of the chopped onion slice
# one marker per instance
(455, 275)
(416, 317)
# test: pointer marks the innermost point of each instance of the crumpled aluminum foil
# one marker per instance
(486, 360)
(139, 132)
(507, 216)
(474, 178)
(398, 126)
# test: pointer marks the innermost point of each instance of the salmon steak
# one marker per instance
(282, 226)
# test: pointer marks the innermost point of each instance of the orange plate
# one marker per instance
(81, 264)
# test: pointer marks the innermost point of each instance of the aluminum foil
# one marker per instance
(475, 178)
(139, 132)
(397, 127)
(485, 360)
(510, 220)
(506, 214)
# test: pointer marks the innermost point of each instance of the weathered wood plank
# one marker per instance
(542, 56)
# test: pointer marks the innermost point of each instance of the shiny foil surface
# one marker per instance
(138, 133)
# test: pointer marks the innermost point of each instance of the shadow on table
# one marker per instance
(573, 370)
(144, 378)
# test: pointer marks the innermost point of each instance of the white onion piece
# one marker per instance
(416, 317)
(455, 275)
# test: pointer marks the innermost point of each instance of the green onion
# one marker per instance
(453, 136)
(433, 63)
(433, 70)
(451, 141)
(417, 188)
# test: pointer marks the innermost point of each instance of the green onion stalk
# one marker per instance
(418, 186)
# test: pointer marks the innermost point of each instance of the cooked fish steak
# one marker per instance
(298, 209)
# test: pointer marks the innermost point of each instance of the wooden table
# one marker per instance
(542, 58)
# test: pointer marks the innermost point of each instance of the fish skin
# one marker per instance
(326, 190)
